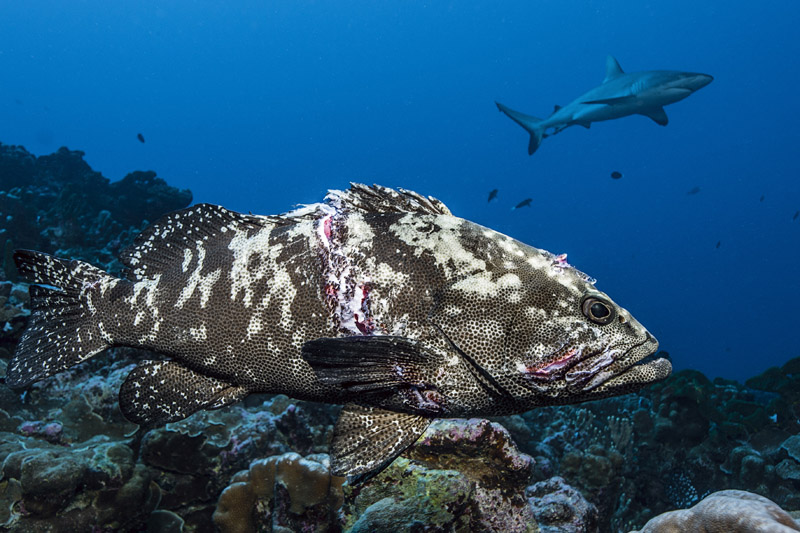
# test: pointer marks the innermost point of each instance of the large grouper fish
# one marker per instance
(376, 298)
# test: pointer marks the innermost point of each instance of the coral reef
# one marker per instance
(57, 204)
(70, 461)
(729, 511)
(670, 445)
(286, 491)
(87, 473)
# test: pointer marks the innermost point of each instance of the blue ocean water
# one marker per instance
(259, 106)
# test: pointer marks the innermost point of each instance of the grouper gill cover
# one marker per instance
(378, 299)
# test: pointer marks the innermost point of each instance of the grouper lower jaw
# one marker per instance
(635, 370)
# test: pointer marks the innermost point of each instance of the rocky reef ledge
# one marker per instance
(69, 461)
(57, 204)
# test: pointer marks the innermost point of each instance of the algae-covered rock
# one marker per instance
(10, 496)
(408, 495)
(792, 447)
(788, 469)
(560, 508)
(49, 481)
(95, 483)
(482, 449)
(462, 475)
(162, 521)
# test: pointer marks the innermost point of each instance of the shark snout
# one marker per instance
(696, 81)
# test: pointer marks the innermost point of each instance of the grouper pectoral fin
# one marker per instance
(157, 392)
(658, 115)
(367, 439)
(367, 364)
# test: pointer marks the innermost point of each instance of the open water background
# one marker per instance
(259, 106)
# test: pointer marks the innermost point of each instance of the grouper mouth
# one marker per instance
(612, 368)
(630, 369)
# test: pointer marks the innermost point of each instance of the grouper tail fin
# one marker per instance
(531, 124)
(65, 326)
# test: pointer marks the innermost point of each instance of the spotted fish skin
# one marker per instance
(378, 299)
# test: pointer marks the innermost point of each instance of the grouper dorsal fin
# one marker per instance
(367, 439)
(378, 199)
(163, 244)
(613, 70)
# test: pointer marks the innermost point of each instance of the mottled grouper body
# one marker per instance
(378, 299)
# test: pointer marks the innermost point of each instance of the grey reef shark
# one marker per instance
(620, 95)
(378, 299)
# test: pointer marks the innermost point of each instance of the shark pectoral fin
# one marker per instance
(617, 100)
(658, 115)
(586, 125)
(367, 439)
(157, 392)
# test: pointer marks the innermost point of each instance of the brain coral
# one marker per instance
(726, 511)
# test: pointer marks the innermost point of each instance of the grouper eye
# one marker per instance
(597, 311)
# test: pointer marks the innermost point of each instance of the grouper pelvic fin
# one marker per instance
(366, 439)
(157, 392)
(162, 244)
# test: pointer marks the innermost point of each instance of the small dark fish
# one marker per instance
(616, 175)
(718, 244)
(694, 190)
(762, 198)
(523, 203)
(796, 214)
(492, 194)
(140, 137)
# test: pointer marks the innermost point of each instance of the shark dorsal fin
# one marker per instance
(613, 70)
(556, 108)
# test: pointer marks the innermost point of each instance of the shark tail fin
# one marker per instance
(531, 124)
